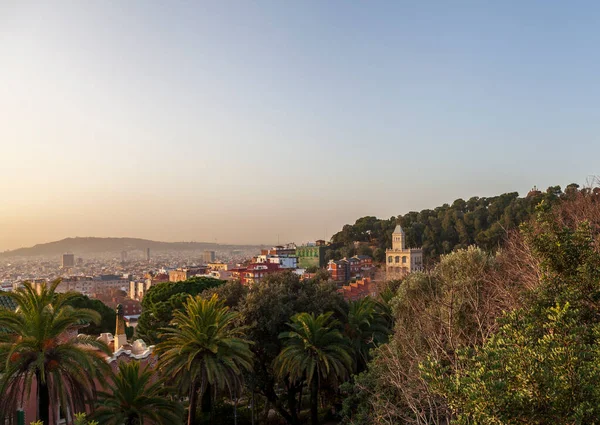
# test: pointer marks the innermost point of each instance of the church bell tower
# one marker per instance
(398, 239)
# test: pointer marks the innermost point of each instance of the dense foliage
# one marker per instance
(266, 312)
(108, 316)
(39, 344)
(434, 313)
(504, 338)
(481, 221)
(314, 351)
(163, 300)
(204, 350)
(136, 397)
(543, 364)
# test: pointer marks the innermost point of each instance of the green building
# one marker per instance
(311, 255)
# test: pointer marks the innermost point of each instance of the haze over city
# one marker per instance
(245, 122)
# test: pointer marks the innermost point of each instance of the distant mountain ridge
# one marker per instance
(89, 245)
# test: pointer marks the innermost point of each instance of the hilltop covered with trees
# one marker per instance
(509, 337)
(481, 221)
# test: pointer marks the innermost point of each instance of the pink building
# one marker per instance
(122, 351)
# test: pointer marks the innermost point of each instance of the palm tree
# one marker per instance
(203, 347)
(384, 306)
(38, 343)
(135, 398)
(314, 350)
(366, 327)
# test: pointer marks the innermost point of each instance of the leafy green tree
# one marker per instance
(332, 254)
(39, 344)
(542, 365)
(232, 293)
(534, 372)
(136, 397)
(357, 393)
(312, 269)
(163, 300)
(108, 316)
(315, 351)
(434, 313)
(204, 347)
(379, 255)
(365, 250)
(366, 327)
(266, 313)
(347, 251)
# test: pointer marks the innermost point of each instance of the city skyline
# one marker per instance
(241, 122)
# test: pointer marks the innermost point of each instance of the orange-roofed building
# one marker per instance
(360, 289)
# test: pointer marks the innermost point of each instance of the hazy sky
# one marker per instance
(238, 121)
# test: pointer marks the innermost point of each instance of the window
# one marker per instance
(397, 258)
(62, 418)
(390, 259)
(403, 260)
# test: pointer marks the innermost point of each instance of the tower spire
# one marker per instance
(120, 337)
(399, 238)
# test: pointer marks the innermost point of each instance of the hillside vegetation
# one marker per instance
(482, 221)
(510, 337)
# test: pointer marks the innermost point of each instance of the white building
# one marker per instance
(284, 261)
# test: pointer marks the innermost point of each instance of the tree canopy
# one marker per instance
(135, 397)
(505, 337)
(315, 351)
(542, 365)
(483, 221)
(204, 349)
(108, 316)
(163, 300)
(266, 312)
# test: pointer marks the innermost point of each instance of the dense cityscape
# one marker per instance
(136, 272)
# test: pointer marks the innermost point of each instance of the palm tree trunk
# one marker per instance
(43, 400)
(193, 402)
(253, 407)
(314, 395)
(235, 403)
(292, 404)
(206, 402)
(273, 399)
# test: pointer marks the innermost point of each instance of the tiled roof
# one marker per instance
(357, 290)
(7, 302)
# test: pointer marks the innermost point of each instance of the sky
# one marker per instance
(257, 121)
